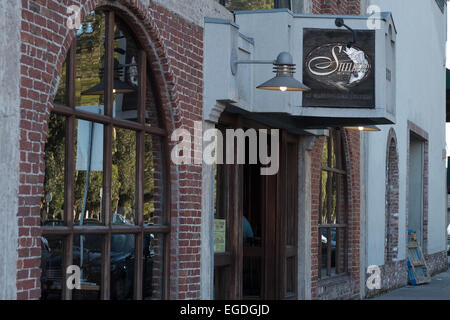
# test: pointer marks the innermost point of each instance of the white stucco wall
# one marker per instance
(9, 142)
(420, 65)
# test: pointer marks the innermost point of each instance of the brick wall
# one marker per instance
(336, 7)
(175, 47)
(392, 198)
(344, 286)
(347, 286)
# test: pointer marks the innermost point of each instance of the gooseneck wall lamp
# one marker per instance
(283, 67)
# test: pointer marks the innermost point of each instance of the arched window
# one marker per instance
(104, 205)
(333, 207)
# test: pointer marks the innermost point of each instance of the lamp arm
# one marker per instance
(340, 23)
(234, 61)
(255, 62)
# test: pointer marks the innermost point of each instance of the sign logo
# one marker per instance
(339, 66)
(340, 77)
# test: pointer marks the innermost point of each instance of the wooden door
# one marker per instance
(261, 214)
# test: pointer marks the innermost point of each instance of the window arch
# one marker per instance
(392, 199)
(333, 207)
(105, 199)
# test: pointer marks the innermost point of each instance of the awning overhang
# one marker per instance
(298, 124)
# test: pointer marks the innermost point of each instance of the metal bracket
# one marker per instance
(234, 62)
(340, 23)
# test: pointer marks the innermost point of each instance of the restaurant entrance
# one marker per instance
(260, 217)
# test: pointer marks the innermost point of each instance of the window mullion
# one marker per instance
(140, 165)
(138, 265)
(109, 64)
(68, 261)
(107, 156)
(142, 60)
(329, 250)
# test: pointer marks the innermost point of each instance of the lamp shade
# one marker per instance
(284, 80)
(366, 128)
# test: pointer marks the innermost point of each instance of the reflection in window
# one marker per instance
(124, 176)
(52, 276)
(333, 207)
(87, 254)
(154, 246)
(153, 182)
(90, 64)
(88, 188)
(126, 73)
(122, 266)
(61, 94)
(52, 204)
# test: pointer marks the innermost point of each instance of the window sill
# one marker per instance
(335, 280)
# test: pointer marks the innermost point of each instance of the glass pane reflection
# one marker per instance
(153, 285)
(122, 266)
(61, 94)
(126, 73)
(52, 276)
(88, 179)
(124, 176)
(87, 254)
(52, 204)
(89, 66)
(153, 181)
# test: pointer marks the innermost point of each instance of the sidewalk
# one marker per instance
(437, 289)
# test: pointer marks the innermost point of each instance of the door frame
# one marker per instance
(228, 266)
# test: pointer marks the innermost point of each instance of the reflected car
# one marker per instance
(122, 265)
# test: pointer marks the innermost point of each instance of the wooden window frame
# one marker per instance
(108, 229)
(337, 136)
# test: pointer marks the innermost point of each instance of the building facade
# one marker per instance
(105, 106)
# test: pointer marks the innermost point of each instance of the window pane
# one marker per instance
(340, 251)
(87, 254)
(154, 181)
(126, 73)
(152, 114)
(334, 198)
(122, 266)
(88, 179)
(89, 66)
(52, 205)
(124, 176)
(324, 198)
(61, 94)
(52, 277)
(341, 207)
(325, 152)
(328, 252)
(153, 277)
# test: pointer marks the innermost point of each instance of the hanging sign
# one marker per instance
(340, 77)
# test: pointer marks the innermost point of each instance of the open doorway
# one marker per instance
(416, 186)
